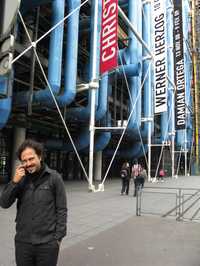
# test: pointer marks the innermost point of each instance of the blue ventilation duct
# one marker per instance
(130, 70)
(143, 22)
(5, 109)
(136, 151)
(83, 113)
(135, 56)
(65, 96)
(134, 53)
(6, 103)
(83, 140)
(103, 97)
(71, 56)
(55, 54)
(147, 72)
(102, 139)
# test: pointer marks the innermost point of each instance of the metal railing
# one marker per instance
(179, 203)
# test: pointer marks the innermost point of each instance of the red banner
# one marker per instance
(109, 38)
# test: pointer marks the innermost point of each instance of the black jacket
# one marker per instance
(125, 173)
(41, 207)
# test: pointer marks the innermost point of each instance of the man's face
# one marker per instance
(30, 160)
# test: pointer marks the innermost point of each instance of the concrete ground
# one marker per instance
(103, 230)
(139, 241)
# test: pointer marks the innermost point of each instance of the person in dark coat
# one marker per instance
(41, 208)
(125, 176)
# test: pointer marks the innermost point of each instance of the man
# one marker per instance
(41, 208)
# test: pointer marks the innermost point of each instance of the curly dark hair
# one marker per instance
(29, 143)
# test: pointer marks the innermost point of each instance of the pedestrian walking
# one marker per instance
(41, 208)
(140, 180)
(135, 172)
(125, 177)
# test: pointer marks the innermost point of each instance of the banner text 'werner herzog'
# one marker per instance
(160, 70)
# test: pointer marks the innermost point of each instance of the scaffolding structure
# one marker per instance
(39, 68)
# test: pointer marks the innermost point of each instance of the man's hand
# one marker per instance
(19, 173)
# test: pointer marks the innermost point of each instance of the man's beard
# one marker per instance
(31, 171)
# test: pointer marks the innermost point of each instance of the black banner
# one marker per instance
(179, 77)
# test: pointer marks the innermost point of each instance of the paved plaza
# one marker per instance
(103, 230)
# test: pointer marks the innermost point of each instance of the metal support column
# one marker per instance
(185, 152)
(93, 85)
(128, 23)
(98, 166)
(149, 151)
(196, 92)
(33, 61)
(171, 85)
(173, 154)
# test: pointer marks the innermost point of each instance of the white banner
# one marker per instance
(160, 59)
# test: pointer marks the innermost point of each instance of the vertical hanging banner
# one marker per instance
(179, 77)
(108, 45)
(160, 58)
